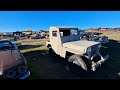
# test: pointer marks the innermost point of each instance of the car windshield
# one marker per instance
(12, 40)
(5, 45)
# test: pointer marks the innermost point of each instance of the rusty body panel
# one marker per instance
(10, 58)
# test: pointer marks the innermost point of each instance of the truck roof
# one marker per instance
(70, 27)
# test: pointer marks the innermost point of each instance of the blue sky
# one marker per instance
(37, 20)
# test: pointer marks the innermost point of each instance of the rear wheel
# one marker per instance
(77, 63)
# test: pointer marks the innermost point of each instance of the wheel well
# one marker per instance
(48, 46)
(68, 54)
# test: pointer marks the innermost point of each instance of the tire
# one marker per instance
(51, 52)
(10, 74)
(83, 63)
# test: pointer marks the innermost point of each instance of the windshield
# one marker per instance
(5, 45)
(12, 40)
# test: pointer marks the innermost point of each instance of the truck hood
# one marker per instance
(79, 45)
(9, 59)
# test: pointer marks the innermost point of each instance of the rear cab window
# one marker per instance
(65, 32)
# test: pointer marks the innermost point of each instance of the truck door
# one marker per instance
(54, 41)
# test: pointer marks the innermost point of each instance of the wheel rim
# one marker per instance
(10, 74)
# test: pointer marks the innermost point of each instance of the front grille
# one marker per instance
(94, 49)
(95, 59)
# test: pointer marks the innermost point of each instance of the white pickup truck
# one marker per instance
(65, 41)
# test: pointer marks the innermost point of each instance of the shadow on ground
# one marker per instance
(112, 67)
(23, 47)
(45, 66)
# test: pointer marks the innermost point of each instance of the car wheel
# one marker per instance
(77, 63)
(10, 74)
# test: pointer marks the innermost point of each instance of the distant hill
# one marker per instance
(105, 29)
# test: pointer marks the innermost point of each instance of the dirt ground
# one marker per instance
(43, 66)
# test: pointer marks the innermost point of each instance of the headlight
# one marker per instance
(88, 50)
(22, 69)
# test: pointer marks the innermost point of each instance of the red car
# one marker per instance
(12, 63)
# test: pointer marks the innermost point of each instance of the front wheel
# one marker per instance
(77, 63)
(51, 52)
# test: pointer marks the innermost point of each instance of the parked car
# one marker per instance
(104, 39)
(94, 36)
(98, 38)
(94, 33)
(28, 36)
(84, 35)
(35, 36)
(13, 65)
(42, 36)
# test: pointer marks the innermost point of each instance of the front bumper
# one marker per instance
(98, 63)
(25, 75)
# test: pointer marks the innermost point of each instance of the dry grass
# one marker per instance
(33, 45)
(34, 50)
(113, 49)
(113, 35)
(42, 67)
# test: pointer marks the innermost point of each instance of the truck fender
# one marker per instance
(48, 45)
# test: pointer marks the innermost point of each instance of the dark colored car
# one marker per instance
(93, 36)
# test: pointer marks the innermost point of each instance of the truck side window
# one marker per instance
(65, 32)
(54, 33)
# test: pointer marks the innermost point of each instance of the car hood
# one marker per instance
(9, 59)
(15, 42)
(80, 45)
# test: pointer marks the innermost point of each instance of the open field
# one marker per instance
(42, 66)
